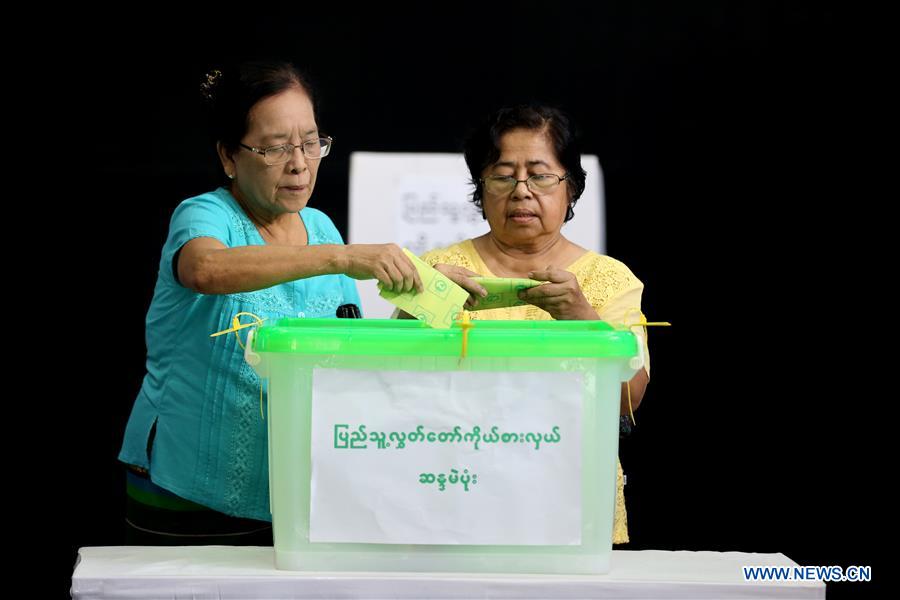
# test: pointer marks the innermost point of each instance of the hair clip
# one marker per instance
(207, 88)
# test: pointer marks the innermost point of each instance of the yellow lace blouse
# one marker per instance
(609, 286)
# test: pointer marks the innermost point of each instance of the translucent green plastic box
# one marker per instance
(289, 352)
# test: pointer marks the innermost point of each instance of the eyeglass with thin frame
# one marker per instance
(538, 183)
(282, 153)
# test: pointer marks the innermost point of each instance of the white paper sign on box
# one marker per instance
(385, 443)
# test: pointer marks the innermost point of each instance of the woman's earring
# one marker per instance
(230, 176)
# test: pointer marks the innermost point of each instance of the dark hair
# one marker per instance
(231, 92)
(482, 147)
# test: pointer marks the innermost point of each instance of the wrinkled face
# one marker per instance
(521, 216)
(276, 189)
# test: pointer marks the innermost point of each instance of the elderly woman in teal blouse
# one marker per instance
(195, 445)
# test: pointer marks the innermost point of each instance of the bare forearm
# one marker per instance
(586, 313)
(636, 387)
(250, 268)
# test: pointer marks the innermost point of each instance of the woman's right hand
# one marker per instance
(385, 262)
(462, 277)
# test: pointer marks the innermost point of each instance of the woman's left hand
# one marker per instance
(561, 296)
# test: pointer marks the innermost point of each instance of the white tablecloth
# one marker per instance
(219, 572)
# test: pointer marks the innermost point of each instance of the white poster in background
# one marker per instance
(434, 218)
(375, 481)
(423, 201)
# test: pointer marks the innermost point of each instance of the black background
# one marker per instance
(731, 138)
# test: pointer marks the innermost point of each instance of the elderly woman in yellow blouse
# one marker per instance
(526, 168)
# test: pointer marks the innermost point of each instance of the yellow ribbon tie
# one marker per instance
(465, 324)
(630, 408)
(641, 322)
(236, 326)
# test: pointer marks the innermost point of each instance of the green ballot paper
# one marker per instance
(438, 305)
(502, 291)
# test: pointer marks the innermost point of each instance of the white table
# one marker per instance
(206, 572)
